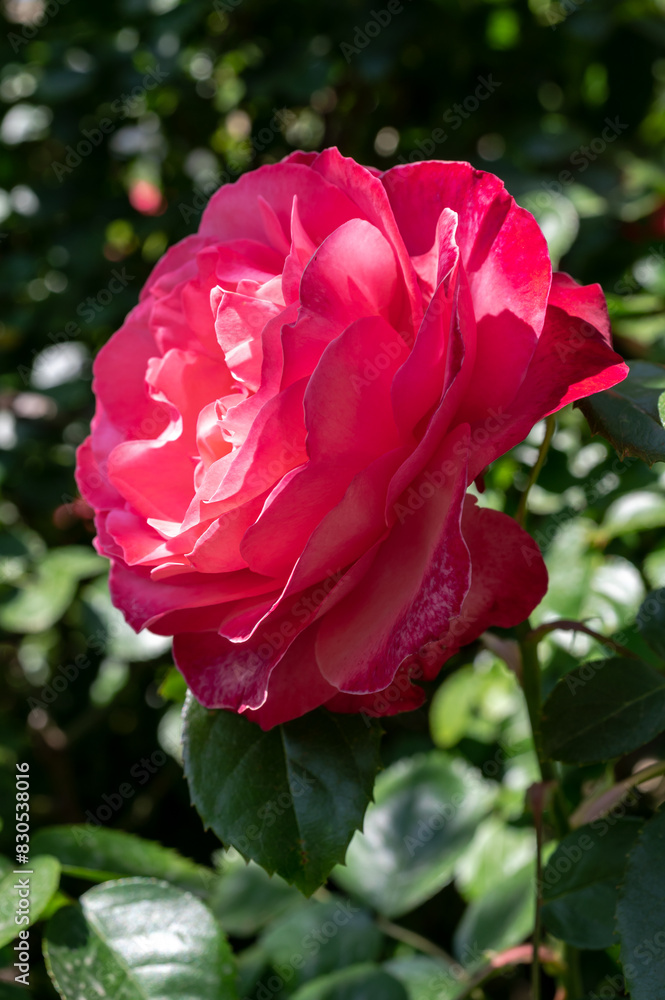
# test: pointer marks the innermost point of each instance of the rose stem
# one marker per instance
(550, 425)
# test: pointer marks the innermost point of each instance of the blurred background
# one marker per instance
(117, 121)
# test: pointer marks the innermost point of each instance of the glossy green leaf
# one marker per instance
(361, 982)
(45, 595)
(628, 415)
(139, 939)
(426, 978)
(319, 938)
(245, 898)
(580, 882)
(651, 621)
(42, 884)
(108, 854)
(289, 798)
(603, 709)
(499, 919)
(641, 913)
(425, 813)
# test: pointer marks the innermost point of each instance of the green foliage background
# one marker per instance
(240, 84)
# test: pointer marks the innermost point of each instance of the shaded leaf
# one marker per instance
(245, 898)
(651, 620)
(319, 938)
(603, 709)
(580, 882)
(426, 978)
(629, 414)
(641, 913)
(362, 982)
(105, 854)
(500, 918)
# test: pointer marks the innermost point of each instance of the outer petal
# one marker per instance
(573, 360)
(121, 386)
(508, 580)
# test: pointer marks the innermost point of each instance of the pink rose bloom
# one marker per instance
(288, 422)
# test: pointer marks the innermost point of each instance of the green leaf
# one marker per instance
(629, 414)
(290, 798)
(474, 701)
(426, 978)
(245, 898)
(360, 982)
(44, 597)
(639, 510)
(603, 709)
(139, 939)
(252, 964)
(580, 882)
(319, 938)
(42, 885)
(641, 913)
(500, 918)
(496, 852)
(425, 813)
(651, 620)
(105, 854)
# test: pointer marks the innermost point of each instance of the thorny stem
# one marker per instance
(550, 425)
